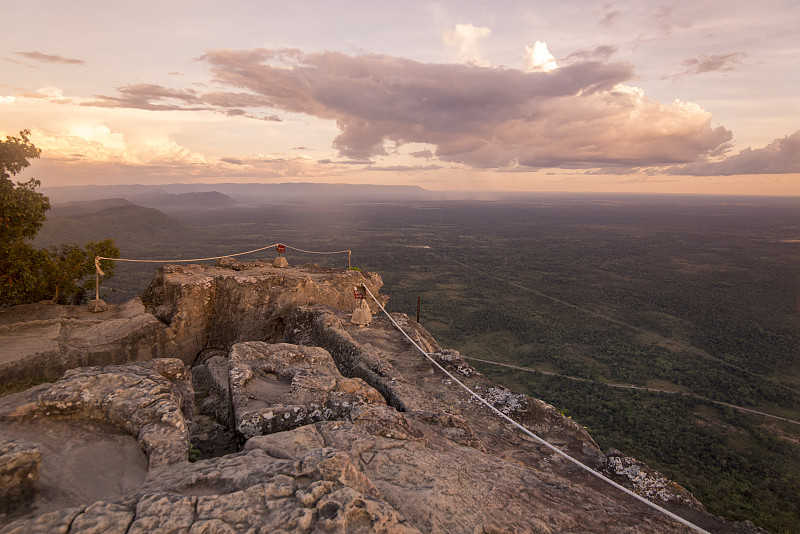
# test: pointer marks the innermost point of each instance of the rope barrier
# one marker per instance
(99, 272)
(555, 449)
(315, 252)
(98, 258)
(191, 259)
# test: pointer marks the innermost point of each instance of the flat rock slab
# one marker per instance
(82, 461)
(277, 387)
(43, 340)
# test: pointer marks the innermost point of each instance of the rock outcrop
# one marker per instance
(281, 387)
(43, 340)
(296, 420)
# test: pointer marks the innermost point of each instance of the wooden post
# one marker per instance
(348, 260)
(418, 298)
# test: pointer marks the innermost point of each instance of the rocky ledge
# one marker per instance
(240, 398)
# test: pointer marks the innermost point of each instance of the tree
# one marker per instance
(70, 276)
(22, 209)
(28, 274)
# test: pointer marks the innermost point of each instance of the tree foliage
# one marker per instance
(27, 274)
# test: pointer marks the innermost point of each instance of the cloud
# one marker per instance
(713, 63)
(581, 115)
(609, 15)
(19, 62)
(601, 53)
(427, 154)
(465, 37)
(150, 97)
(404, 168)
(98, 143)
(537, 58)
(780, 156)
(49, 93)
(346, 162)
(50, 58)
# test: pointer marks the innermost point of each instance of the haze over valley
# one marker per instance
(691, 295)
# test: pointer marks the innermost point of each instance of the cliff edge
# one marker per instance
(240, 398)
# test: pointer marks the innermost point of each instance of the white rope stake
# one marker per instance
(558, 451)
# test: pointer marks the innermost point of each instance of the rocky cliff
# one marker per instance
(240, 398)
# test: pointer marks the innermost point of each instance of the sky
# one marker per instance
(685, 96)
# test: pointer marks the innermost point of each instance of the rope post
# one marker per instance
(97, 305)
(361, 315)
(280, 261)
(348, 259)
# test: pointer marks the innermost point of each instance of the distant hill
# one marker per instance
(194, 200)
(79, 207)
(131, 225)
(215, 195)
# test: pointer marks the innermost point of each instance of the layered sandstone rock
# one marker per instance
(377, 438)
(283, 386)
(187, 308)
(204, 306)
(43, 340)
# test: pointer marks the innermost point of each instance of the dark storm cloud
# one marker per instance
(576, 116)
(778, 157)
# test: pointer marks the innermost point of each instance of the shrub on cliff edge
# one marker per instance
(27, 274)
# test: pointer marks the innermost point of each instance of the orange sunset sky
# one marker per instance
(699, 96)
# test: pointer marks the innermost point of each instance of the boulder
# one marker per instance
(282, 386)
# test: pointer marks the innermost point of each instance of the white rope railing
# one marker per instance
(99, 272)
(555, 449)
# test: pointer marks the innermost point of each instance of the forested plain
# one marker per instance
(694, 295)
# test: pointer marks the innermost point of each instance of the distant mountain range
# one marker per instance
(225, 194)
